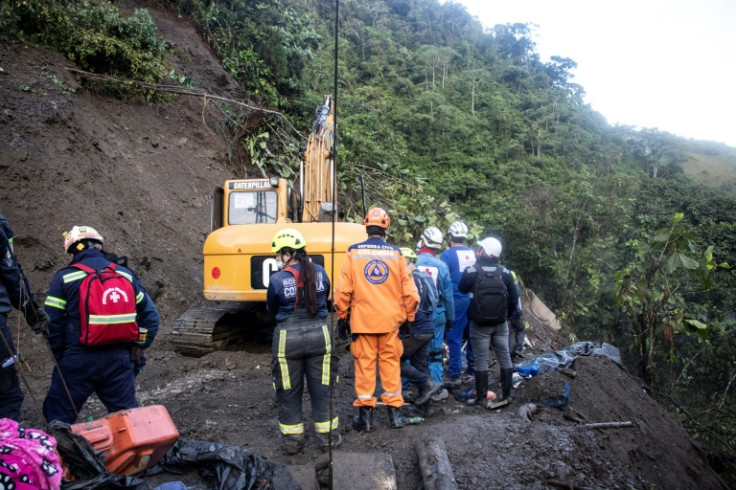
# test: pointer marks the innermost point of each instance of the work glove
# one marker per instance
(37, 319)
(448, 325)
(343, 330)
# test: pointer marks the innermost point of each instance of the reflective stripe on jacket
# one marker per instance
(375, 285)
(62, 303)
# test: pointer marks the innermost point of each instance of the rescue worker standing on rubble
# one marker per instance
(15, 291)
(373, 297)
(444, 314)
(302, 342)
(498, 300)
(458, 257)
(107, 368)
(416, 336)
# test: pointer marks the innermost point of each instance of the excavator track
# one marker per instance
(208, 328)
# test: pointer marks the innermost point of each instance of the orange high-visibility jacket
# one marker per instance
(377, 288)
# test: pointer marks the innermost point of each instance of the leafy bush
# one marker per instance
(92, 34)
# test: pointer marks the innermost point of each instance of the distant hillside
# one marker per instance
(716, 169)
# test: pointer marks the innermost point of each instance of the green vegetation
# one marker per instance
(93, 35)
(442, 118)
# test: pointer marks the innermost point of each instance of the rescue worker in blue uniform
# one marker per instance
(302, 342)
(106, 369)
(458, 257)
(444, 314)
(416, 336)
(14, 292)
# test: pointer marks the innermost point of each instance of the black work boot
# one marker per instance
(293, 444)
(324, 440)
(363, 422)
(426, 390)
(395, 417)
(481, 386)
(506, 383)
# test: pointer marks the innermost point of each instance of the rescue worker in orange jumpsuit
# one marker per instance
(377, 293)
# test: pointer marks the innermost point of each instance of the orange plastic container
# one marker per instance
(132, 440)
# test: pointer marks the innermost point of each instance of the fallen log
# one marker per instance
(435, 465)
(608, 425)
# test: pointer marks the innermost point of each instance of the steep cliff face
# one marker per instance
(140, 173)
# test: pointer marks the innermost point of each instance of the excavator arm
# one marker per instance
(318, 166)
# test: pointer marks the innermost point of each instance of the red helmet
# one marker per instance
(377, 217)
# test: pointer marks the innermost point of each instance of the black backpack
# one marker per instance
(490, 298)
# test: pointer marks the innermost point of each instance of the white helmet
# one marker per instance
(78, 234)
(458, 230)
(432, 238)
(491, 246)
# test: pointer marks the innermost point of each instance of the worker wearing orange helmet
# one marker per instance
(378, 294)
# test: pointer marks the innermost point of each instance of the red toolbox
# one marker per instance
(132, 440)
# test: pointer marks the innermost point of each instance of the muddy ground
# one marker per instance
(141, 174)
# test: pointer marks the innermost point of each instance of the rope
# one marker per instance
(25, 296)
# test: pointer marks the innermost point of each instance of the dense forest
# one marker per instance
(628, 234)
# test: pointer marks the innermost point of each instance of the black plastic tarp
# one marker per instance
(225, 467)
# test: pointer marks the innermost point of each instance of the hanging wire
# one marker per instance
(332, 248)
(25, 297)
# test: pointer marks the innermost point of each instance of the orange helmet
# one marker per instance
(377, 217)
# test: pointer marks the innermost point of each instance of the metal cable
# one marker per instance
(332, 249)
(24, 293)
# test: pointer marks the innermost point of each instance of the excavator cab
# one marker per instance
(252, 201)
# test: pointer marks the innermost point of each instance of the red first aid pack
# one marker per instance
(107, 307)
(132, 440)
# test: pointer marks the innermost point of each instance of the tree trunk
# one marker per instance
(434, 465)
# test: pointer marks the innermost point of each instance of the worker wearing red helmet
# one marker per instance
(374, 295)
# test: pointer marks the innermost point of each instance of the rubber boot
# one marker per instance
(426, 390)
(293, 444)
(363, 422)
(481, 387)
(506, 383)
(395, 418)
(324, 440)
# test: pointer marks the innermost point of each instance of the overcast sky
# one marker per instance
(647, 63)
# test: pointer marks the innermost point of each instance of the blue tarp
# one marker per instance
(560, 359)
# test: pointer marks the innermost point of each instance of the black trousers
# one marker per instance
(302, 348)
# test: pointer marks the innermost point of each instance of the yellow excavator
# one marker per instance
(245, 215)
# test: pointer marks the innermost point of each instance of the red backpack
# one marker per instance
(106, 307)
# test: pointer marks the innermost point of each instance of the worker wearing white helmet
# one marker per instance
(458, 257)
(494, 299)
(96, 327)
(429, 246)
